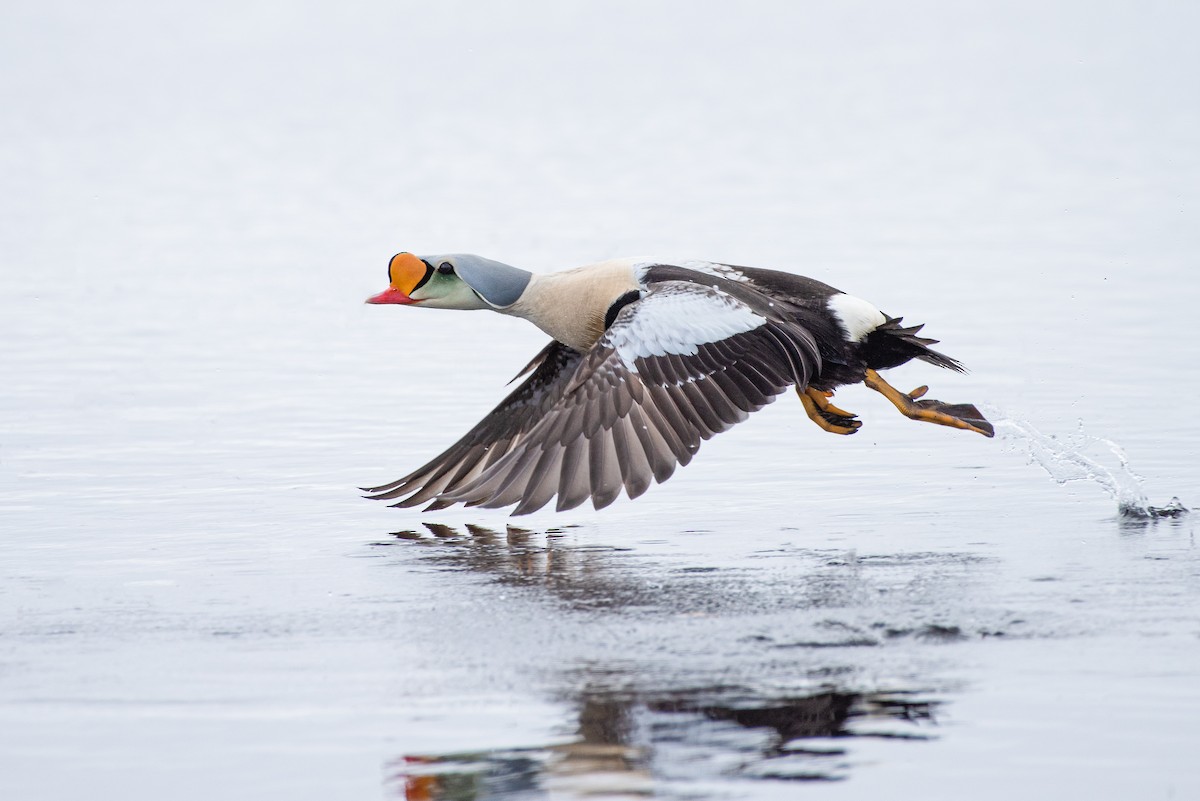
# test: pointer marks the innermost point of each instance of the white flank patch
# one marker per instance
(856, 315)
(677, 318)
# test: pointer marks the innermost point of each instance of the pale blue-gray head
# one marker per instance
(456, 281)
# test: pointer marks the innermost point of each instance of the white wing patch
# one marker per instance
(677, 318)
(856, 315)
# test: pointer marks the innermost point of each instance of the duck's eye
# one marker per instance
(446, 268)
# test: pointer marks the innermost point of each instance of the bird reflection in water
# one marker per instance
(624, 745)
(580, 575)
(628, 743)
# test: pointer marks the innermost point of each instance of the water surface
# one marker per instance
(194, 601)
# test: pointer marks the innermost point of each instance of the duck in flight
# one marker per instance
(647, 360)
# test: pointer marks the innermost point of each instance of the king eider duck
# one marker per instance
(648, 359)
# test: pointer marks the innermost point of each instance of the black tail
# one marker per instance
(890, 345)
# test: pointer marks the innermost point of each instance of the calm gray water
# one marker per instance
(195, 602)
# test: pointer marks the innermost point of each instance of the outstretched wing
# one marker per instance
(493, 437)
(685, 362)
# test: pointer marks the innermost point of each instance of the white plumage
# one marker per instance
(856, 315)
(677, 319)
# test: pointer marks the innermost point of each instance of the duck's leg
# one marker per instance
(955, 415)
(825, 414)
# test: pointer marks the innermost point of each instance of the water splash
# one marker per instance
(1082, 457)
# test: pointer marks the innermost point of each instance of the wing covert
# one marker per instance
(677, 367)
